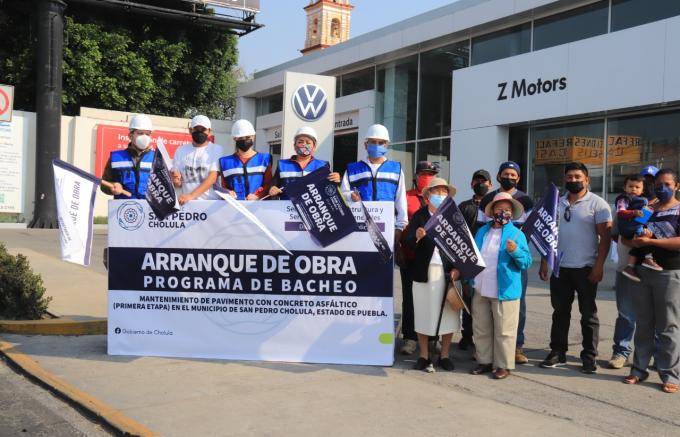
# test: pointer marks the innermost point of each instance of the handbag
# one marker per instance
(455, 298)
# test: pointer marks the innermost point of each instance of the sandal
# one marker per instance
(669, 387)
(632, 379)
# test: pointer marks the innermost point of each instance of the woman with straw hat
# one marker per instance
(431, 274)
(498, 288)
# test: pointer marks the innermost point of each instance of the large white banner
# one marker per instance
(75, 191)
(206, 282)
(309, 100)
(11, 169)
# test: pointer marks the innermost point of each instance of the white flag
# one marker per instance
(75, 192)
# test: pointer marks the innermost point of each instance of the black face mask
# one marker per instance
(480, 189)
(574, 187)
(648, 191)
(244, 145)
(507, 183)
(199, 137)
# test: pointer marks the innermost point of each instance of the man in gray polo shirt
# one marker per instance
(584, 240)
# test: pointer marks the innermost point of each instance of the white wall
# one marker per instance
(474, 149)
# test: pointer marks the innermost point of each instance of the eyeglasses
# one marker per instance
(567, 213)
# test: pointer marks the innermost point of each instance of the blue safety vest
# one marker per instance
(289, 170)
(133, 179)
(246, 178)
(381, 187)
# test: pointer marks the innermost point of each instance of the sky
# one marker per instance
(285, 27)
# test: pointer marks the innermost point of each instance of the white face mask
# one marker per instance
(142, 142)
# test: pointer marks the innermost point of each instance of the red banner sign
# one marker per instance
(110, 138)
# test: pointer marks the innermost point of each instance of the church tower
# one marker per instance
(327, 24)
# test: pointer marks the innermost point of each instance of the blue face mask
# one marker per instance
(436, 200)
(664, 194)
(376, 150)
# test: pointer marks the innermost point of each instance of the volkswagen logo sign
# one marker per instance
(130, 216)
(310, 102)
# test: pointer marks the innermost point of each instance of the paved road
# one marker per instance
(29, 410)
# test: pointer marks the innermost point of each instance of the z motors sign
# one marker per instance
(523, 88)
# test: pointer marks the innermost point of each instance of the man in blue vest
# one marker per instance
(129, 169)
(246, 174)
(377, 178)
(301, 164)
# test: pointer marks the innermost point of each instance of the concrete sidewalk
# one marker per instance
(211, 397)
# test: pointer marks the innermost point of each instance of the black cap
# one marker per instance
(481, 174)
(427, 166)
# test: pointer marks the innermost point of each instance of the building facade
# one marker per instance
(477, 82)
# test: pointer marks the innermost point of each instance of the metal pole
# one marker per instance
(49, 57)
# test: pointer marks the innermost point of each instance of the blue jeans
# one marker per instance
(522, 310)
(624, 328)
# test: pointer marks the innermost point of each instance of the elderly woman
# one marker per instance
(656, 298)
(498, 288)
(431, 274)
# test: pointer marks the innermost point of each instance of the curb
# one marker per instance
(63, 326)
(97, 409)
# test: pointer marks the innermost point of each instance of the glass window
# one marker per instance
(269, 104)
(629, 13)
(637, 141)
(275, 151)
(404, 153)
(396, 98)
(555, 146)
(501, 44)
(436, 70)
(436, 151)
(357, 82)
(345, 149)
(517, 151)
(571, 26)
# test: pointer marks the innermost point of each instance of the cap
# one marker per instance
(649, 170)
(200, 120)
(481, 173)
(509, 164)
(432, 167)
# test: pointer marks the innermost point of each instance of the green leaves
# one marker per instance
(131, 64)
(22, 294)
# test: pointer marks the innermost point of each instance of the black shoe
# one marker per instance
(446, 364)
(553, 360)
(465, 343)
(589, 366)
(423, 364)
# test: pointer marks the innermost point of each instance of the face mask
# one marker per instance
(376, 150)
(244, 145)
(423, 181)
(574, 187)
(664, 194)
(142, 142)
(304, 150)
(199, 137)
(436, 200)
(508, 184)
(648, 191)
(502, 217)
(480, 189)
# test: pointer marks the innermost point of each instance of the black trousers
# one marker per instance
(562, 291)
(467, 318)
(407, 323)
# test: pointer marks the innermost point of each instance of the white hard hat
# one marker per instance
(377, 131)
(200, 120)
(308, 132)
(141, 122)
(242, 128)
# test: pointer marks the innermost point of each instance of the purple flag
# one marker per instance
(542, 225)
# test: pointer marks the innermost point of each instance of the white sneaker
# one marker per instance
(409, 347)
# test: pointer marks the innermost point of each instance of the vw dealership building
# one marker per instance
(477, 82)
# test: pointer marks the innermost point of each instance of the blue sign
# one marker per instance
(310, 102)
(542, 227)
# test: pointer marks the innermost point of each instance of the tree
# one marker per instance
(131, 64)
